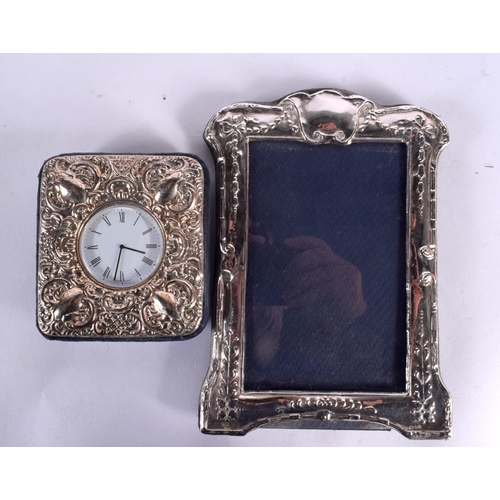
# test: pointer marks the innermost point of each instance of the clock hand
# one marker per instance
(133, 249)
(118, 263)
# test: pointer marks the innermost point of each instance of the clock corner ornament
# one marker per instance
(121, 247)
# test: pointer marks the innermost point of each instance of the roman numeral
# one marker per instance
(138, 272)
(96, 232)
(106, 220)
(95, 261)
(137, 219)
(147, 261)
(122, 277)
(91, 247)
(147, 231)
(105, 274)
(151, 245)
(122, 216)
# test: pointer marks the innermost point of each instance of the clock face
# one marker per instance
(121, 245)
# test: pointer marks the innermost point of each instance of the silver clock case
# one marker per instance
(172, 303)
(423, 409)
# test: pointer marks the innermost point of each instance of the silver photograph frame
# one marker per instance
(423, 409)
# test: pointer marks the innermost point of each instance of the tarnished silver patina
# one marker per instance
(169, 305)
(423, 410)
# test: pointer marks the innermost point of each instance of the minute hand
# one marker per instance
(133, 249)
(118, 263)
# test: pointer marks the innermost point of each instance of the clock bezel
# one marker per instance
(107, 206)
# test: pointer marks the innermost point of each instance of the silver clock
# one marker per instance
(121, 247)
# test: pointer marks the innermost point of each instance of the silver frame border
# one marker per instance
(423, 411)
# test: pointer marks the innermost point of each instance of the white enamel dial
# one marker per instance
(121, 245)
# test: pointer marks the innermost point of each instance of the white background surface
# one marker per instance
(113, 394)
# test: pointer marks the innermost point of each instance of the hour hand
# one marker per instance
(133, 249)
